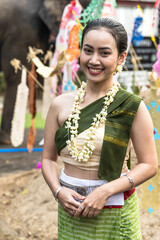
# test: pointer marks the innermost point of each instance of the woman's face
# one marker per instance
(99, 55)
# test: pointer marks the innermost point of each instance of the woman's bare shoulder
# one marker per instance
(143, 114)
(62, 99)
(143, 121)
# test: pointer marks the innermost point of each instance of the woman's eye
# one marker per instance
(105, 53)
(86, 50)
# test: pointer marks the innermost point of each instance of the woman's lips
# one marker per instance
(95, 71)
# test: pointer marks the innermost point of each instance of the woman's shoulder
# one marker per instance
(129, 96)
(62, 99)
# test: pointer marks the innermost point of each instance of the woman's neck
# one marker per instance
(97, 90)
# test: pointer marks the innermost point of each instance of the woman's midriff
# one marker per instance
(73, 171)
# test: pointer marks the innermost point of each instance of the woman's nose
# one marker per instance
(94, 59)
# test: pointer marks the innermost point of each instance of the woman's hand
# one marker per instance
(67, 200)
(93, 203)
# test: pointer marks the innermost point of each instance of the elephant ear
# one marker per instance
(51, 13)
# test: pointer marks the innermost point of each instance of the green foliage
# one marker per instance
(39, 121)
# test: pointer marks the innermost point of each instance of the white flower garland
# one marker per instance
(72, 123)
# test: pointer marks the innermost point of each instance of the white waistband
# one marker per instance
(82, 182)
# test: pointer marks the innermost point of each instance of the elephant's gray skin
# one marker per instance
(21, 26)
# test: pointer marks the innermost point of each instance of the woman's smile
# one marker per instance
(95, 71)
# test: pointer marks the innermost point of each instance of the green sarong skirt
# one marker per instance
(111, 223)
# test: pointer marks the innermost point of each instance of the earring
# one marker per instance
(119, 68)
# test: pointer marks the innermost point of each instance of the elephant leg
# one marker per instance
(12, 80)
(7, 115)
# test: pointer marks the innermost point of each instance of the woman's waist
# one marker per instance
(76, 172)
(91, 165)
(87, 173)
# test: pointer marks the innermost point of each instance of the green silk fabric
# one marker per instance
(121, 114)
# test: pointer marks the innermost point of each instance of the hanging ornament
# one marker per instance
(43, 70)
(16, 64)
(71, 65)
(32, 107)
(47, 98)
(67, 22)
(68, 86)
(18, 122)
(73, 50)
(92, 12)
(67, 41)
(46, 101)
(150, 30)
(154, 12)
(136, 34)
(156, 3)
(109, 9)
(156, 65)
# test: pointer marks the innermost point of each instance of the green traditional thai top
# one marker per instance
(121, 114)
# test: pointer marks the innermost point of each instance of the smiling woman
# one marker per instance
(92, 132)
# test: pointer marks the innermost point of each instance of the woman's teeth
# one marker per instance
(95, 70)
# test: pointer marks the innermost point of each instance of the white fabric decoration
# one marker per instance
(18, 122)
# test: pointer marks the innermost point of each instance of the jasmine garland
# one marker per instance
(72, 123)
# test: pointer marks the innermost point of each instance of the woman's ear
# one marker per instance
(122, 57)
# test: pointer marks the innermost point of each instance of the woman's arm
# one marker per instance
(143, 141)
(49, 155)
(49, 159)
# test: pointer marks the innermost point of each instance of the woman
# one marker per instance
(91, 130)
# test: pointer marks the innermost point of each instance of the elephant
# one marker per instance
(24, 23)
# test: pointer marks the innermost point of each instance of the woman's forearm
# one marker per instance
(141, 173)
(50, 174)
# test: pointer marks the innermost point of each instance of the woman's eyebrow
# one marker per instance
(101, 48)
(87, 45)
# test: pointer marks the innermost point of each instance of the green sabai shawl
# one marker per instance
(121, 114)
